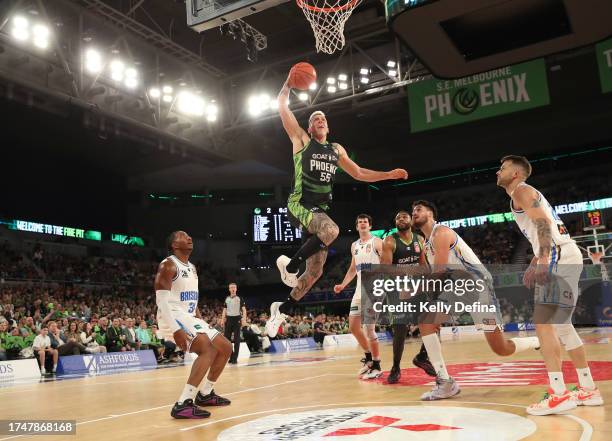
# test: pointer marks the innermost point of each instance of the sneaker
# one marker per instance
(422, 362)
(212, 399)
(366, 365)
(188, 411)
(394, 375)
(277, 318)
(289, 279)
(43, 371)
(442, 389)
(372, 374)
(586, 397)
(552, 404)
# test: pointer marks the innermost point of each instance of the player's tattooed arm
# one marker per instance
(544, 237)
(325, 228)
(528, 199)
(314, 270)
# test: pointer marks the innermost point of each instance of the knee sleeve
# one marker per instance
(568, 336)
(370, 332)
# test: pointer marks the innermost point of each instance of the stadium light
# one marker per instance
(364, 71)
(390, 64)
(117, 69)
(93, 61)
(41, 36)
(167, 96)
(211, 112)
(21, 28)
(154, 92)
(303, 96)
(342, 77)
(331, 89)
(364, 80)
(131, 78)
(313, 86)
(190, 104)
(331, 80)
(392, 73)
(342, 86)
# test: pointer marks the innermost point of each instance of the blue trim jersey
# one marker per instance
(184, 291)
(560, 235)
(460, 255)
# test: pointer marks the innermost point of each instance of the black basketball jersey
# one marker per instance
(407, 253)
(315, 171)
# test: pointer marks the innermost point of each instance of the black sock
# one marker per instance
(423, 351)
(287, 305)
(368, 356)
(399, 338)
(376, 365)
(311, 246)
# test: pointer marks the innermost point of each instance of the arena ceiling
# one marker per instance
(256, 152)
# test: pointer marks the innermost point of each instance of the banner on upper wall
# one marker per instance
(438, 103)
(604, 60)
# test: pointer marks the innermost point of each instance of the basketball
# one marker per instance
(302, 75)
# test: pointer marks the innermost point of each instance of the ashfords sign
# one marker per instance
(438, 103)
(99, 364)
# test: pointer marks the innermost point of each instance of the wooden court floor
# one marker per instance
(136, 406)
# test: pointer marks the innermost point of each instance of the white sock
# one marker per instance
(585, 378)
(42, 370)
(54, 367)
(189, 392)
(525, 343)
(434, 350)
(207, 387)
(556, 382)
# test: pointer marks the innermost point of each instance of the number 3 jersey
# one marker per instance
(315, 169)
(560, 235)
(184, 291)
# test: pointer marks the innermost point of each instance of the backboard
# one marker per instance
(208, 14)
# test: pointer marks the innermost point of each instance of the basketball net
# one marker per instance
(327, 19)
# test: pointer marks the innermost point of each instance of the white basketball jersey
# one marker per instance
(365, 256)
(560, 235)
(460, 255)
(184, 292)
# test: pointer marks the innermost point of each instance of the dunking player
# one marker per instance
(179, 319)
(365, 252)
(446, 249)
(404, 248)
(557, 256)
(316, 161)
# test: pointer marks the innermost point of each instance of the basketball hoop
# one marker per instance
(327, 19)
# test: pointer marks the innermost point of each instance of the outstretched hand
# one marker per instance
(398, 173)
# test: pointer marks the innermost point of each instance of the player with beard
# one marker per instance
(404, 248)
(557, 260)
(445, 249)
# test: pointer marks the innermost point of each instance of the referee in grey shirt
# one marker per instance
(234, 313)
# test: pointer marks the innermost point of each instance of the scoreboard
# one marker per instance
(271, 226)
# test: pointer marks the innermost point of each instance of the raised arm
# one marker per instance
(364, 174)
(350, 273)
(296, 134)
(388, 249)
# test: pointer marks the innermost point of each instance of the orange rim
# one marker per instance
(348, 5)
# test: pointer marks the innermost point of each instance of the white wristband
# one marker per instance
(162, 298)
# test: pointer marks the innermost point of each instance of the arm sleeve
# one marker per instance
(162, 296)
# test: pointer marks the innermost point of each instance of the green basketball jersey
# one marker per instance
(315, 169)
